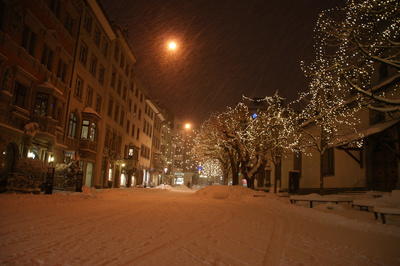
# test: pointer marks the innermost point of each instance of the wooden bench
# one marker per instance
(328, 198)
(366, 204)
(383, 211)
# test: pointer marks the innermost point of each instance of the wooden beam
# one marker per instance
(359, 161)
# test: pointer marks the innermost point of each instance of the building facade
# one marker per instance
(37, 58)
(70, 94)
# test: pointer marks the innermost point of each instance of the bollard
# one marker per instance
(48, 189)
(79, 180)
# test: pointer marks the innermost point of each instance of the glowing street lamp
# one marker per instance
(172, 45)
(187, 126)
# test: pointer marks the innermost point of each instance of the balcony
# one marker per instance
(46, 124)
(87, 145)
(71, 143)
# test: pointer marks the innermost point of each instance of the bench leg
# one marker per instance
(310, 204)
(383, 218)
(376, 216)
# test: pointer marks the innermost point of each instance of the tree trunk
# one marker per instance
(321, 175)
(277, 174)
(226, 174)
(250, 182)
(235, 172)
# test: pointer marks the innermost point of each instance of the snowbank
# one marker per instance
(225, 192)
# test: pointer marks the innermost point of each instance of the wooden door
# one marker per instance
(384, 169)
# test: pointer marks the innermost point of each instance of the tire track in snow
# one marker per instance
(281, 233)
(171, 244)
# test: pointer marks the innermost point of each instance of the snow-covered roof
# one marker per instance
(89, 110)
(363, 133)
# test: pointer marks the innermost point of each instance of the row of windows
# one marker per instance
(148, 111)
(44, 105)
(145, 151)
(89, 94)
(156, 143)
(29, 43)
(147, 128)
(116, 109)
(29, 38)
(157, 124)
(56, 6)
(132, 130)
(119, 56)
(97, 34)
(113, 140)
(118, 85)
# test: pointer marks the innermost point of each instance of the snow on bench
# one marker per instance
(390, 205)
(319, 198)
(385, 211)
(367, 204)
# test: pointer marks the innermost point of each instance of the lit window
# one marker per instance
(85, 129)
(41, 102)
(93, 132)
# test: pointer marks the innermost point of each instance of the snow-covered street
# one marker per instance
(217, 225)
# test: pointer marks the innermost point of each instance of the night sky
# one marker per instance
(226, 49)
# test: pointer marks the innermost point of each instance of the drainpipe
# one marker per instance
(72, 75)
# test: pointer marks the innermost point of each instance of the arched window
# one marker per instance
(72, 126)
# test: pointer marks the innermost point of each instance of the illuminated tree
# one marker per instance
(350, 42)
(353, 42)
(212, 168)
(206, 148)
(236, 126)
(274, 132)
(210, 144)
(225, 136)
(328, 117)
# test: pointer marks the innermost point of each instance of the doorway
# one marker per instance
(294, 182)
(384, 168)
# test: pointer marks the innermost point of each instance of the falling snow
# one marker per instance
(226, 49)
